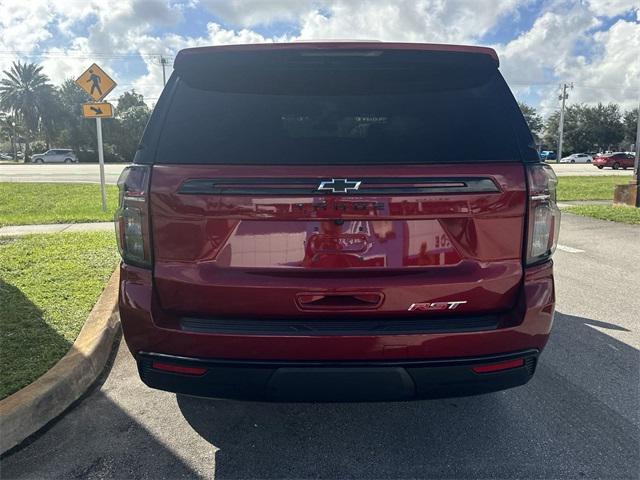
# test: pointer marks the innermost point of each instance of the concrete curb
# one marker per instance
(28, 410)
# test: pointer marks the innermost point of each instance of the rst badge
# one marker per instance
(429, 306)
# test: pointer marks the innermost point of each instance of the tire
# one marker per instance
(573, 161)
(600, 167)
(588, 161)
(39, 160)
(67, 160)
(624, 168)
(615, 166)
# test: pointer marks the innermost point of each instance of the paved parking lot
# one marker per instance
(578, 417)
(89, 172)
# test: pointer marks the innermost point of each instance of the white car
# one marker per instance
(58, 155)
(577, 158)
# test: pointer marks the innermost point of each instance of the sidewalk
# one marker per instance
(572, 203)
(12, 231)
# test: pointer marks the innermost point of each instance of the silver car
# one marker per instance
(577, 158)
(58, 155)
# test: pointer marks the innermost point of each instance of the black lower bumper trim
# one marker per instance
(336, 381)
(389, 326)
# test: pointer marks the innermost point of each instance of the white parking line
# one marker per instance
(564, 248)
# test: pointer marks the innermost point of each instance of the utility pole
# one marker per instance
(163, 62)
(562, 97)
(636, 166)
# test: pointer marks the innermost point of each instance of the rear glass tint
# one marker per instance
(400, 107)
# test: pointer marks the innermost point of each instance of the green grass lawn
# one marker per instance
(615, 213)
(48, 285)
(589, 188)
(32, 203)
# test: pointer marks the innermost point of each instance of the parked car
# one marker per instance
(577, 158)
(614, 160)
(58, 155)
(301, 227)
(548, 155)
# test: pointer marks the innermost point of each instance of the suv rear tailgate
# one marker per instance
(263, 241)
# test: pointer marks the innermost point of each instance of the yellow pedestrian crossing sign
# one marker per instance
(95, 110)
(96, 82)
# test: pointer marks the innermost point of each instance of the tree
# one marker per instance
(601, 125)
(577, 136)
(130, 99)
(51, 114)
(132, 122)
(126, 129)
(534, 120)
(586, 128)
(550, 131)
(630, 128)
(76, 131)
(8, 130)
(25, 91)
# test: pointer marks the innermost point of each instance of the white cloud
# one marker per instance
(611, 8)
(61, 64)
(150, 84)
(546, 55)
(249, 13)
(566, 42)
(453, 21)
(613, 75)
(23, 29)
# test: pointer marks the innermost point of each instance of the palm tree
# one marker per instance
(25, 91)
(8, 129)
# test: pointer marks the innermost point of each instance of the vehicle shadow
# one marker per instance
(22, 357)
(97, 438)
(92, 439)
(577, 418)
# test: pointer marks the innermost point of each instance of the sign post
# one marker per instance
(97, 84)
(101, 161)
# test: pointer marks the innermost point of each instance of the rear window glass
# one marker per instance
(334, 115)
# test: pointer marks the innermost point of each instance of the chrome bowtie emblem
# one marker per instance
(339, 185)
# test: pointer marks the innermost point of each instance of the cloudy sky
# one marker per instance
(541, 43)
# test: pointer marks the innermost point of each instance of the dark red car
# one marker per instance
(614, 160)
(336, 221)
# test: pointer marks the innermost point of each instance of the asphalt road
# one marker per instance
(60, 172)
(578, 417)
(89, 172)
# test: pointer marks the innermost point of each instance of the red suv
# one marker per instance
(336, 221)
(614, 160)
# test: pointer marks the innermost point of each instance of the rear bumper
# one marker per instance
(417, 364)
(336, 381)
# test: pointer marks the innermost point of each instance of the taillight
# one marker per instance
(544, 214)
(497, 367)
(183, 369)
(132, 216)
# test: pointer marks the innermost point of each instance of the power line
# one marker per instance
(164, 60)
(76, 54)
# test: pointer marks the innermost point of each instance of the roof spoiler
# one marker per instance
(351, 46)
